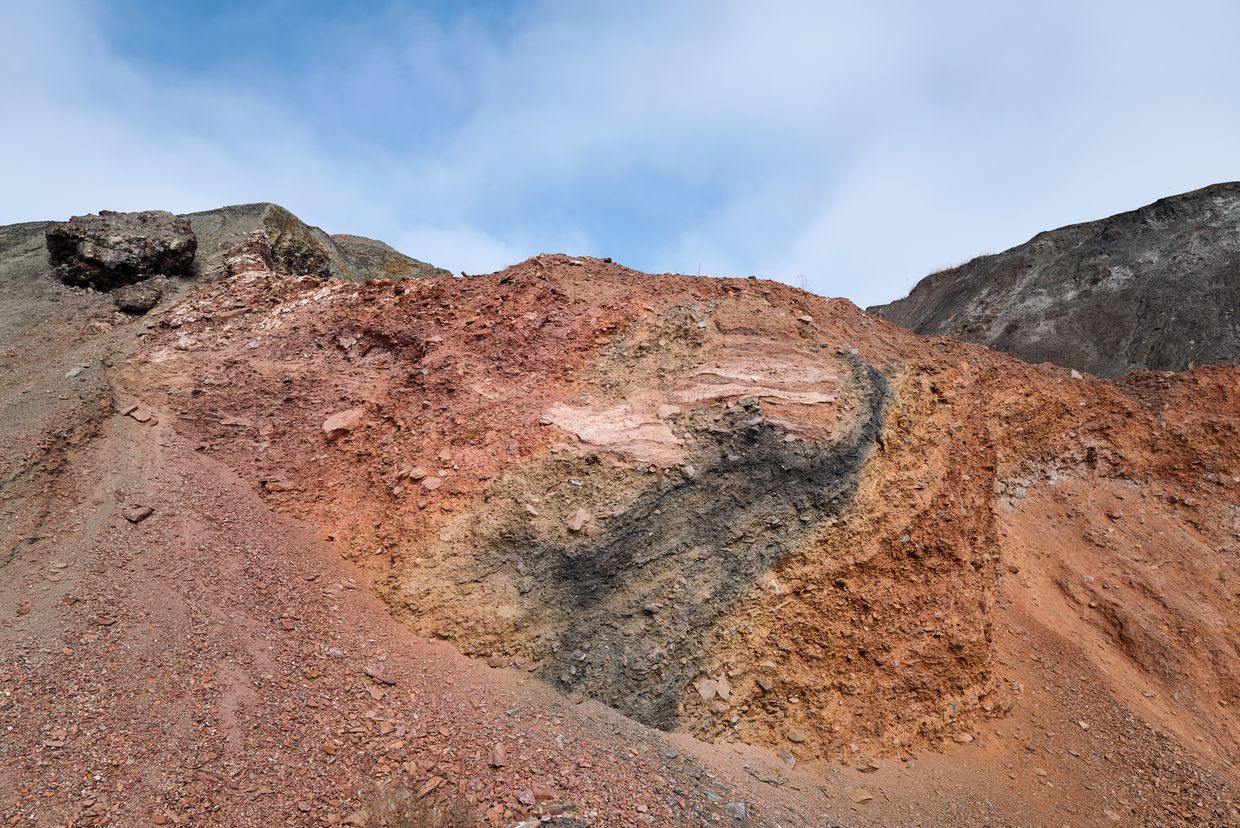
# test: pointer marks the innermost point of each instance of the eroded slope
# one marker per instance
(722, 506)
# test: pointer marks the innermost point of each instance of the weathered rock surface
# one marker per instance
(1154, 289)
(298, 248)
(111, 249)
(140, 297)
(373, 259)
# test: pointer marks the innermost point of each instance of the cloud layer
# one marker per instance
(849, 147)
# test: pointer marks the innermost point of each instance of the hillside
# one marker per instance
(297, 247)
(1155, 289)
(610, 548)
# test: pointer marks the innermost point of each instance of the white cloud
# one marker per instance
(469, 249)
(856, 146)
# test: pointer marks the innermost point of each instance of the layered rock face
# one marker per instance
(721, 506)
(1154, 289)
(111, 249)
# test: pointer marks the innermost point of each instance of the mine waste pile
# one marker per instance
(301, 531)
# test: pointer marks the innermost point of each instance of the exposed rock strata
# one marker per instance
(1154, 289)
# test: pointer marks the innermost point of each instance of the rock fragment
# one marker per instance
(578, 520)
(343, 422)
(498, 757)
(795, 734)
(378, 675)
(140, 297)
(137, 514)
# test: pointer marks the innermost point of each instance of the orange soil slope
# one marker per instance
(888, 580)
(513, 436)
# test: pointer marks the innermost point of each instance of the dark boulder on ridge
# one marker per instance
(1153, 289)
(111, 249)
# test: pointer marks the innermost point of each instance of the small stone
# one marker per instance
(24, 607)
(860, 795)
(1083, 725)
(806, 318)
(795, 734)
(706, 687)
(736, 810)
(432, 483)
(431, 784)
(416, 473)
(137, 514)
(963, 738)
(688, 472)
(140, 414)
(73, 372)
(343, 422)
(378, 676)
(766, 683)
(1076, 374)
(526, 797)
(498, 757)
(1040, 771)
(578, 521)
(722, 688)
(141, 297)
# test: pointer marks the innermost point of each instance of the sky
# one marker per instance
(847, 148)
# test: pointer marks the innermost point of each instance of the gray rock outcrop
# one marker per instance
(1153, 289)
(298, 248)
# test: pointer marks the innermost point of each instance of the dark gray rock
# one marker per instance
(108, 250)
(140, 297)
(1154, 289)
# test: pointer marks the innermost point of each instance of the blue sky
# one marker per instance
(849, 148)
